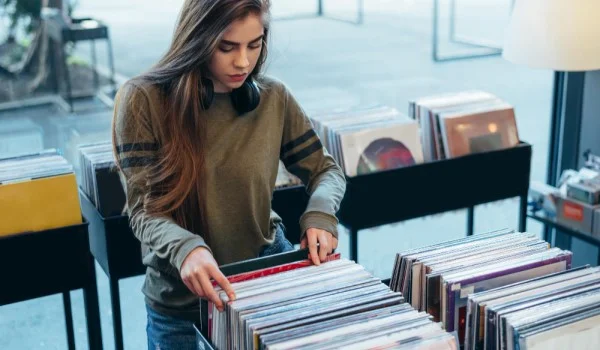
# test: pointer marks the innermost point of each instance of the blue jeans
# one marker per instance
(166, 332)
(280, 244)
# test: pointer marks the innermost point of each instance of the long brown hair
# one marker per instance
(178, 187)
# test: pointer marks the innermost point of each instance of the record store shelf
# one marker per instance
(39, 264)
(424, 189)
(118, 252)
(539, 216)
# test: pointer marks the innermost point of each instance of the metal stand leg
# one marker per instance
(95, 64)
(67, 78)
(361, 12)
(523, 214)
(490, 51)
(470, 220)
(69, 320)
(320, 13)
(92, 308)
(116, 310)
(111, 62)
(548, 234)
(354, 245)
(562, 240)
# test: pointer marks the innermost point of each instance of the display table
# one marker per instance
(392, 196)
(39, 264)
(539, 216)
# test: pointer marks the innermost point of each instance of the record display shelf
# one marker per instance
(39, 264)
(429, 188)
(118, 251)
(552, 223)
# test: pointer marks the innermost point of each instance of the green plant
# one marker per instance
(28, 12)
(19, 10)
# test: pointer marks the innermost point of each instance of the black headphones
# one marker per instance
(244, 99)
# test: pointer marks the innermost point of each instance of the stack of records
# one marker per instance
(370, 139)
(285, 178)
(557, 311)
(337, 304)
(438, 279)
(456, 124)
(38, 191)
(100, 179)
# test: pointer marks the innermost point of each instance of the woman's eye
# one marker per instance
(225, 49)
(254, 47)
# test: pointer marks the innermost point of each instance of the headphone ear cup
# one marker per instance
(207, 93)
(246, 98)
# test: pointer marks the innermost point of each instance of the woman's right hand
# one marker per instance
(196, 272)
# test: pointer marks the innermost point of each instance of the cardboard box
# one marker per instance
(575, 214)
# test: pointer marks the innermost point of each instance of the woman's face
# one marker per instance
(237, 53)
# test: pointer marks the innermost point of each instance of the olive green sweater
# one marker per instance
(243, 154)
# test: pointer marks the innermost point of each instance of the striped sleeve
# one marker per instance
(136, 150)
(304, 156)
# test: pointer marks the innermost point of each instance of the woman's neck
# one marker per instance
(220, 88)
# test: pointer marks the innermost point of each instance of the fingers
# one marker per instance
(324, 245)
(210, 292)
(196, 286)
(188, 283)
(218, 276)
(303, 243)
(334, 244)
(311, 236)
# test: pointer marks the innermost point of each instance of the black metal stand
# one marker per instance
(63, 33)
(565, 230)
(387, 197)
(117, 251)
(119, 254)
(320, 13)
(61, 262)
(488, 50)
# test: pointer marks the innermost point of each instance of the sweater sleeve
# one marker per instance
(136, 150)
(304, 156)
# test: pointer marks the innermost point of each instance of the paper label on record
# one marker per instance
(466, 291)
(455, 287)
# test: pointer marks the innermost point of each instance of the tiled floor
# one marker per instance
(327, 63)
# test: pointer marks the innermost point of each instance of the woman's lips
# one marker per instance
(237, 77)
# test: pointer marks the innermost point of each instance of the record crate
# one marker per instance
(202, 338)
(434, 187)
(43, 263)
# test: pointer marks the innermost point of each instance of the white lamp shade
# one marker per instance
(562, 35)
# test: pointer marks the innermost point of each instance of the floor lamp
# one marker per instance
(564, 36)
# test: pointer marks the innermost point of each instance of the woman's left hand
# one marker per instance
(327, 243)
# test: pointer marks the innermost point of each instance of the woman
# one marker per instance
(198, 141)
